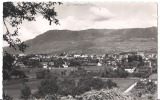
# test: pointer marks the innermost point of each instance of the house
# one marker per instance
(77, 55)
(84, 56)
(20, 64)
(99, 64)
(130, 70)
(34, 58)
(44, 64)
(115, 68)
(22, 55)
(153, 78)
(51, 63)
(65, 65)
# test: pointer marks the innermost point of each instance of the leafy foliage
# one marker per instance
(143, 74)
(18, 73)
(110, 84)
(6, 96)
(42, 73)
(78, 73)
(118, 73)
(25, 92)
(66, 87)
(8, 60)
(48, 86)
(149, 87)
(15, 13)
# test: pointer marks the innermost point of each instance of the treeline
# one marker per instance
(118, 73)
(71, 86)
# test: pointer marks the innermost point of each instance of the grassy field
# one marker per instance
(124, 83)
(14, 89)
(32, 71)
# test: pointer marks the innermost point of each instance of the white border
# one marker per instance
(1, 36)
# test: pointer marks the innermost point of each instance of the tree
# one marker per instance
(151, 87)
(19, 73)
(8, 60)
(15, 13)
(6, 96)
(42, 73)
(66, 87)
(26, 92)
(96, 83)
(110, 84)
(48, 86)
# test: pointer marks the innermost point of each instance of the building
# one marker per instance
(20, 64)
(99, 64)
(153, 78)
(130, 70)
(65, 65)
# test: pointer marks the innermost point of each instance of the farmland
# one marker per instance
(124, 83)
(14, 89)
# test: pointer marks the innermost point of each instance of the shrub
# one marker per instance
(48, 86)
(109, 84)
(66, 87)
(25, 92)
(7, 97)
(96, 83)
(42, 73)
(18, 73)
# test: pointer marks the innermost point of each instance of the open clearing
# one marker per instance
(14, 89)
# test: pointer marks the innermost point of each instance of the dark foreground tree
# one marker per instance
(25, 92)
(48, 86)
(110, 84)
(8, 60)
(6, 96)
(15, 13)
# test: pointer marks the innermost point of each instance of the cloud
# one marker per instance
(101, 14)
(107, 15)
(74, 23)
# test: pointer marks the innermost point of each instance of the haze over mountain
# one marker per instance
(92, 41)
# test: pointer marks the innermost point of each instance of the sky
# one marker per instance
(97, 15)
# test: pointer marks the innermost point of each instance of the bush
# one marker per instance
(78, 73)
(140, 85)
(18, 73)
(144, 74)
(110, 84)
(151, 87)
(25, 92)
(48, 86)
(6, 75)
(119, 73)
(7, 97)
(96, 83)
(42, 73)
(66, 87)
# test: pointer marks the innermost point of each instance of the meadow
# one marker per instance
(14, 89)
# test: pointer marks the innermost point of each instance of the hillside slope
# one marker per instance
(92, 41)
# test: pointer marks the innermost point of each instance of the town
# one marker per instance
(133, 67)
(130, 61)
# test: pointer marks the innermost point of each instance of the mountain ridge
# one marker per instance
(91, 41)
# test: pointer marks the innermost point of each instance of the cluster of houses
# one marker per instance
(49, 60)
